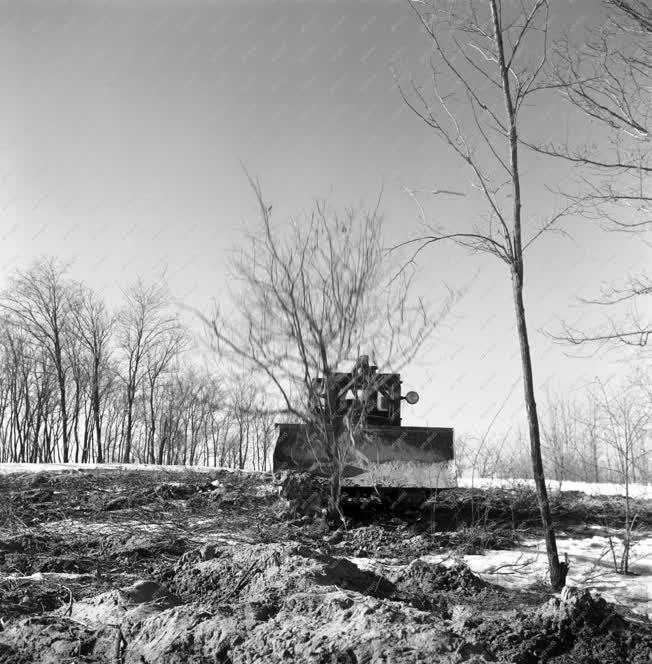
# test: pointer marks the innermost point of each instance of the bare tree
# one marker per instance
(263, 440)
(487, 60)
(159, 356)
(146, 332)
(38, 301)
(244, 404)
(18, 365)
(589, 447)
(309, 300)
(623, 429)
(93, 327)
(560, 434)
(79, 387)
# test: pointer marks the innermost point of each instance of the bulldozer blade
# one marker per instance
(396, 457)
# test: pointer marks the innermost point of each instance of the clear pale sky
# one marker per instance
(124, 127)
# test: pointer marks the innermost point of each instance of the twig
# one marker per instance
(120, 642)
(70, 601)
(243, 579)
(50, 617)
(516, 565)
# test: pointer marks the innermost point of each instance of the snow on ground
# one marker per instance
(8, 468)
(44, 576)
(591, 488)
(591, 568)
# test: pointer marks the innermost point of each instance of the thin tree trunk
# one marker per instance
(557, 570)
(97, 419)
(62, 393)
(152, 431)
(126, 456)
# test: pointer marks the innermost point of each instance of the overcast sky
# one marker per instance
(124, 128)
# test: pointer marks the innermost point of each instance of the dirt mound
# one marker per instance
(316, 626)
(287, 602)
(582, 630)
(48, 640)
(429, 578)
(259, 572)
(126, 607)
(432, 587)
(92, 630)
(251, 603)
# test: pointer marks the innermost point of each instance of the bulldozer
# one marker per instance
(383, 455)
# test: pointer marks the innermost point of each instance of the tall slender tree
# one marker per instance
(93, 327)
(488, 59)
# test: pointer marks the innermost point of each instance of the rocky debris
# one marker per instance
(393, 540)
(136, 546)
(368, 540)
(79, 554)
(37, 495)
(476, 539)
(166, 491)
(171, 490)
(25, 543)
(585, 629)
(23, 597)
(201, 554)
(302, 494)
(71, 564)
(54, 491)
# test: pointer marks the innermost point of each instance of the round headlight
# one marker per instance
(412, 397)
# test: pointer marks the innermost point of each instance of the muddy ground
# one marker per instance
(139, 567)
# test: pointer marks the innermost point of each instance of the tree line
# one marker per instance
(82, 383)
(599, 435)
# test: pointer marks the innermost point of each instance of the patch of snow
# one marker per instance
(590, 488)
(591, 568)
(44, 576)
(8, 468)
